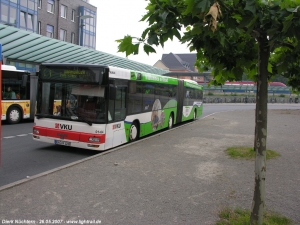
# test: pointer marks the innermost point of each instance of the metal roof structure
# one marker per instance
(23, 46)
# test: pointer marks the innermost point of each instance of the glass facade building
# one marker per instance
(22, 14)
(72, 21)
(87, 27)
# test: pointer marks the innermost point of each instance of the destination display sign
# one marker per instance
(78, 74)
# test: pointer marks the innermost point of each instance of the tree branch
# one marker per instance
(255, 34)
(286, 44)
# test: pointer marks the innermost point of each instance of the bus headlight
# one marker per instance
(35, 131)
(94, 139)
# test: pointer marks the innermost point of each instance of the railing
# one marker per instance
(248, 100)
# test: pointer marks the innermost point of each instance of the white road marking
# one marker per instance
(19, 135)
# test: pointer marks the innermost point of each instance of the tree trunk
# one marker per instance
(260, 140)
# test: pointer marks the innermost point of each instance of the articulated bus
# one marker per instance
(100, 107)
(18, 94)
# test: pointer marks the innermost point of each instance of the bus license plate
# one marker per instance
(59, 142)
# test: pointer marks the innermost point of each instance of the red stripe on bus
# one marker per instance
(68, 135)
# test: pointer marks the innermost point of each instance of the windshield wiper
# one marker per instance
(81, 118)
(43, 116)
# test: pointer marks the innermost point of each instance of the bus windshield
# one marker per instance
(68, 101)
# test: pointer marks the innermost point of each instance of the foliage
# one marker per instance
(242, 217)
(248, 153)
(256, 38)
(232, 49)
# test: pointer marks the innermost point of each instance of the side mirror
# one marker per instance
(112, 92)
(24, 80)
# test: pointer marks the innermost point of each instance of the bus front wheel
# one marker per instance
(134, 132)
(195, 115)
(13, 115)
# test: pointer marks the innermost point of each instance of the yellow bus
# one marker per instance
(18, 94)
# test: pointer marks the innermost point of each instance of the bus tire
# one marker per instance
(195, 115)
(13, 115)
(170, 122)
(134, 132)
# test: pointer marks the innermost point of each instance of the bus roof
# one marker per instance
(12, 68)
(8, 67)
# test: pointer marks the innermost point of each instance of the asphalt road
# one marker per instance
(181, 176)
(22, 157)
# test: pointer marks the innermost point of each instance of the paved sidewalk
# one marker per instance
(178, 177)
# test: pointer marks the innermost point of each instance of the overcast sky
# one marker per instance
(117, 18)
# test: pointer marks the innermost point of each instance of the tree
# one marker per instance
(259, 38)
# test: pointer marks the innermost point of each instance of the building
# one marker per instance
(72, 21)
(16, 13)
(181, 66)
(178, 62)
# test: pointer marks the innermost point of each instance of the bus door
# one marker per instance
(115, 129)
(180, 98)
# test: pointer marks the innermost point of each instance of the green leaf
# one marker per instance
(287, 23)
(127, 46)
(252, 23)
(237, 17)
(270, 67)
(250, 6)
(135, 49)
(222, 39)
(153, 39)
(145, 32)
(176, 34)
(204, 5)
(164, 16)
(192, 7)
(245, 21)
(148, 49)
(293, 9)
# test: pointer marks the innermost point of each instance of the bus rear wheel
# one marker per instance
(13, 115)
(170, 123)
(134, 132)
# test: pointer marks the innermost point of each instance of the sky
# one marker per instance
(118, 18)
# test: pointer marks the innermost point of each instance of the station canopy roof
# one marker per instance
(23, 46)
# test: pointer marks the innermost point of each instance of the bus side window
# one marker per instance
(9, 94)
(120, 108)
(134, 103)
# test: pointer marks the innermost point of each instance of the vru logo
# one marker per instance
(63, 126)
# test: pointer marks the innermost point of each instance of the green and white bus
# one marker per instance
(100, 107)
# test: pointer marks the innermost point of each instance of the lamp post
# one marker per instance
(81, 25)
